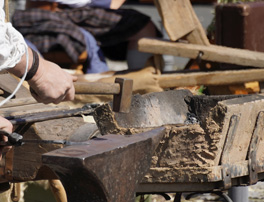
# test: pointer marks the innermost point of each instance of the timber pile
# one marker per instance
(188, 39)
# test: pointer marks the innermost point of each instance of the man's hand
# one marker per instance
(51, 84)
(8, 127)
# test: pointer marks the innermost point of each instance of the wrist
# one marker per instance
(34, 67)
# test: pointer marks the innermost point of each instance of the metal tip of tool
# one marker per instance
(90, 106)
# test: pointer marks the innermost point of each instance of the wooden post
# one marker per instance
(7, 11)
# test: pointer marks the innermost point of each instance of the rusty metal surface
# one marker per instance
(108, 169)
(49, 115)
(155, 109)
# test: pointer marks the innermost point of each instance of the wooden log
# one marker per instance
(210, 53)
(213, 78)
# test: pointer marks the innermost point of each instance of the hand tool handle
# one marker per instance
(97, 88)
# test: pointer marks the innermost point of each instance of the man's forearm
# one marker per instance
(19, 69)
(116, 4)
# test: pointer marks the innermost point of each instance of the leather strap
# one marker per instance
(34, 68)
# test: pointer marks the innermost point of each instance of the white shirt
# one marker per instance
(12, 43)
(72, 3)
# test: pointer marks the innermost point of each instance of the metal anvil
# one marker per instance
(108, 169)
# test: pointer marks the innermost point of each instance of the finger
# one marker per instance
(5, 125)
(70, 94)
(74, 78)
(4, 150)
(40, 99)
(34, 94)
(59, 99)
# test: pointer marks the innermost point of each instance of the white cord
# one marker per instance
(20, 82)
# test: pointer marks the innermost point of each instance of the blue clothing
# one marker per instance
(101, 3)
(96, 60)
(32, 46)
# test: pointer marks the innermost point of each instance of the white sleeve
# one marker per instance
(12, 43)
(71, 3)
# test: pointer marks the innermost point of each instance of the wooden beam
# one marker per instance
(176, 18)
(210, 53)
(19, 102)
(198, 35)
(210, 78)
(179, 20)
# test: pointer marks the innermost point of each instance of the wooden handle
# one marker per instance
(80, 88)
(97, 88)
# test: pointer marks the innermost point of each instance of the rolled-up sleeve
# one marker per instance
(12, 44)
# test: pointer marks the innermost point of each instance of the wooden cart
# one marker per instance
(212, 143)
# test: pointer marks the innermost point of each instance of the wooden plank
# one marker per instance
(182, 185)
(210, 53)
(19, 102)
(179, 20)
(197, 36)
(8, 83)
(214, 78)
(242, 124)
(176, 18)
(29, 109)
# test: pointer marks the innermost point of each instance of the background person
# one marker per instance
(70, 24)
